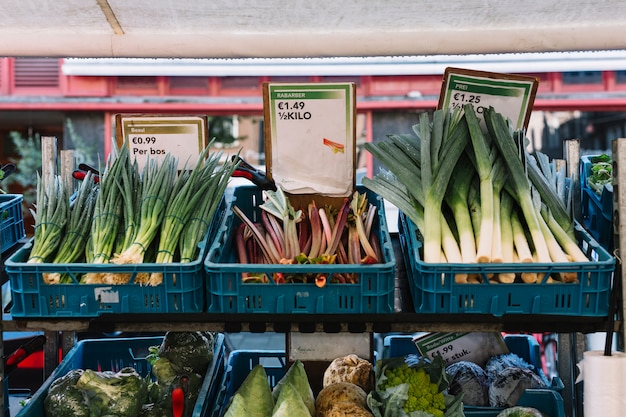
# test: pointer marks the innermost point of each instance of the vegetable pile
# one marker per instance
(412, 384)
(181, 360)
(129, 216)
(476, 195)
(404, 386)
(601, 173)
(312, 235)
(500, 383)
(291, 396)
(343, 392)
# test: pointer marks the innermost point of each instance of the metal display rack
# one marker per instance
(403, 320)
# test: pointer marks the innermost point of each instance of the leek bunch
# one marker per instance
(475, 194)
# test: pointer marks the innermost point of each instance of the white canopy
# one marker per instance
(306, 28)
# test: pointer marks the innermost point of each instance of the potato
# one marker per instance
(350, 368)
(347, 409)
(337, 393)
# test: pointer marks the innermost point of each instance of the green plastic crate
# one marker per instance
(434, 289)
(116, 353)
(374, 293)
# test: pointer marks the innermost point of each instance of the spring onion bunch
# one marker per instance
(158, 179)
(197, 226)
(476, 195)
(193, 202)
(51, 216)
(71, 249)
(107, 216)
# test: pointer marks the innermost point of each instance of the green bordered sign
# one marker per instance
(511, 95)
(154, 136)
(310, 137)
(477, 347)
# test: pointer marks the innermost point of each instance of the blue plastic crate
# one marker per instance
(182, 291)
(240, 363)
(11, 221)
(597, 210)
(434, 289)
(523, 345)
(547, 400)
(116, 353)
(374, 292)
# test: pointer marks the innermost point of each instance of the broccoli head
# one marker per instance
(188, 350)
(64, 398)
(119, 394)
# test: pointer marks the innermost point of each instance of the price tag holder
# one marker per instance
(154, 136)
(310, 145)
(511, 95)
(477, 347)
(328, 346)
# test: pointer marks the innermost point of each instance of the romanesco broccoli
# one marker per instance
(423, 395)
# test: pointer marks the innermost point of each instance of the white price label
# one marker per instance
(510, 95)
(312, 137)
(453, 347)
(149, 137)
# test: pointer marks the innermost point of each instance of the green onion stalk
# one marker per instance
(189, 192)
(130, 187)
(72, 246)
(158, 181)
(51, 216)
(107, 216)
(198, 225)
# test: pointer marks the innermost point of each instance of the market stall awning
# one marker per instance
(313, 28)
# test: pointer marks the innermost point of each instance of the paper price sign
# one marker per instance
(184, 137)
(310, 136)
(511, 95)
(453, 347)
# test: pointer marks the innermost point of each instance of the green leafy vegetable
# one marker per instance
(256, 394)
(120, 393)
(413, 387)
(297, 378)
(64, 399)
(601, 173)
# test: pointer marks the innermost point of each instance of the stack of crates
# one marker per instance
(113, 354)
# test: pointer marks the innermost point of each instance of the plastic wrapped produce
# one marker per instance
(508, 386)
(521, 412)
(470, 379)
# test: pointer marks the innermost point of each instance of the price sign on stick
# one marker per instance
(511, 95)
(310, 137)
(153, 136)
